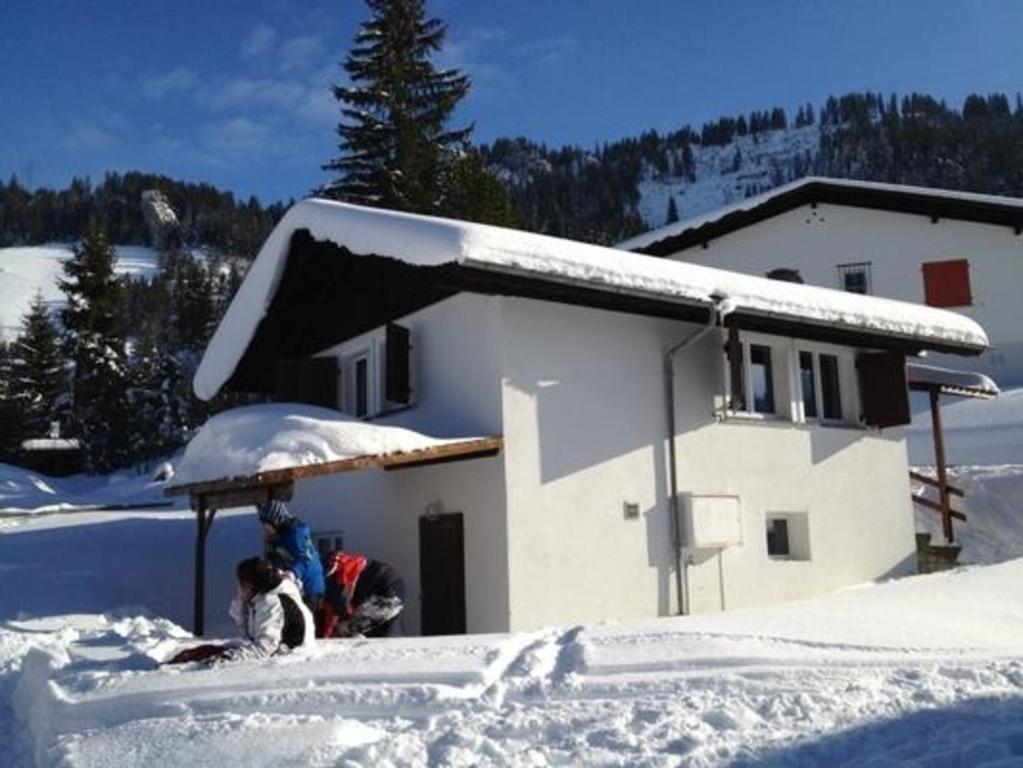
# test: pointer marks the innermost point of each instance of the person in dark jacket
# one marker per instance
(363, 597)
(290, 547)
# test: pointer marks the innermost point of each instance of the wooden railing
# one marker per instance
(944, 504)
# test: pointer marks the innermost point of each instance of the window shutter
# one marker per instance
(397, 388)
(947, 283)
(310, 380)
(884, 391)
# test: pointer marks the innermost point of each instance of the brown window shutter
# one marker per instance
(884, 390)
(397, 387)
(311, 380)
(947, 283)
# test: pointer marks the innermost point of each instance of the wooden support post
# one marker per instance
(203, 521)
(939, 460)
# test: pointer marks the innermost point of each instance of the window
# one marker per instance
(751, 377)
(761, 378)
(854, 278)
(947, 283)
(831, 392)
(778, 537)
(376, 372)
(808, 384)
(788, 536)
(820, 382)
(361, 386)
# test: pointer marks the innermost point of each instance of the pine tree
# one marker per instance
(158, 398)
(94, 346)
(37, 374)
(475, 194)
(672, 210)
(396, 148)
(11, 433)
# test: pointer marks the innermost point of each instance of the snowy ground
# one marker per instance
(24, 271)
(925, 671)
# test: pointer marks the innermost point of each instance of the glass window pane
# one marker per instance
(361, 386)
(831, 398)
(762, 378)
(778, 537)
(809, 385)
(856, 282)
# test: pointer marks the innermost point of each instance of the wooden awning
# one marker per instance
(925, 378)
(232, 491)
(208, 496)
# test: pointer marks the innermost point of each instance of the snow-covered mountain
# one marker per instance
(27, 270)
(726, 174)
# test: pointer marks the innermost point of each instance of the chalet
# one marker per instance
(616, 436)
(938, 247)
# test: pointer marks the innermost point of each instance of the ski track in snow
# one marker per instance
(597, 696)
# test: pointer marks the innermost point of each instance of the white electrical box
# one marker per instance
(712, 521)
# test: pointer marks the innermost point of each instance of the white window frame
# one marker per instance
(859, 266)
(370, 346)
(798, 536)
(780, 385)
(848, 391)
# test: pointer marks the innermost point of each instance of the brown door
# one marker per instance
(442, 574)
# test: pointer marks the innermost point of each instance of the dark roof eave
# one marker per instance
(896, 200)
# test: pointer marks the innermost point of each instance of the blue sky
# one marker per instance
(236, 93)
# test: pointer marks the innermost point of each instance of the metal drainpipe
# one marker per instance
(722, 307)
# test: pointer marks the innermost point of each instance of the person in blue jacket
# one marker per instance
(290, 547)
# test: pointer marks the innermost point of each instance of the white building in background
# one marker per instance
(675, 438)
(948, 249)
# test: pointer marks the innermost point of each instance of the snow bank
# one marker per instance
(847, 680)
(425, 240)
(23, 491)
(258, 438)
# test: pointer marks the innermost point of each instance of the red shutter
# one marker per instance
(947, 283)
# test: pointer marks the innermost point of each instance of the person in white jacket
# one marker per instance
(268, 609)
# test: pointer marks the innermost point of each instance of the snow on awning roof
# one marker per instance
(264, 445)
(542, 260)
(950, 382)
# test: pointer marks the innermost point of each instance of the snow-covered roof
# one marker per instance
(949, 203)
(539, 259)
(50, 444)
(251, 441)
(966, 383)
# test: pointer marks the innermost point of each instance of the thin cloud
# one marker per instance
(299, 53)
(259, 42)
(178, 80)
(89, 137)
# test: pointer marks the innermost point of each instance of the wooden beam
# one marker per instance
(937, 507)
(934, 483)
(939, 461)
(463, 449)
(203, 521)
(441, 460)
(244, 497)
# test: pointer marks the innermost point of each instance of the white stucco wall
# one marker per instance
(456, 363)
(584, 415)
(816, 241)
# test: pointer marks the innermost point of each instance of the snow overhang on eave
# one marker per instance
(490, 259)
(926, 378)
